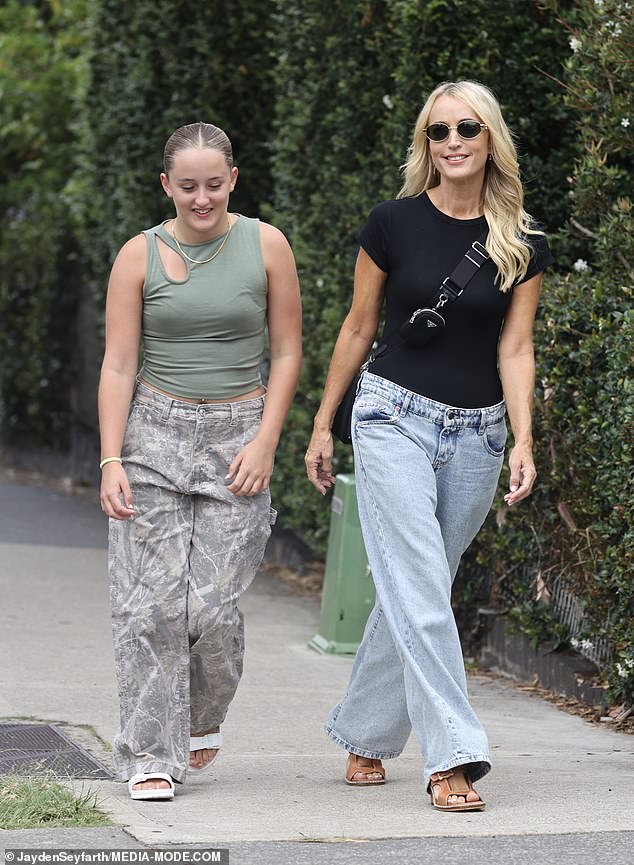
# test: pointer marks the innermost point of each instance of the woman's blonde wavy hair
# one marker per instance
(509, 223)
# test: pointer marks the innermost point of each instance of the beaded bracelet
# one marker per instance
(109, 460)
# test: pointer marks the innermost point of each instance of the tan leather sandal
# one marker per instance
(368, 767)
(453, 782)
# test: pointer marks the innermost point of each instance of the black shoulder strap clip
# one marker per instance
(470, 263)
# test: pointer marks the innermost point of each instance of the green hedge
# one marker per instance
(154, 66)
(320, 104)
(350, 108)
(39, 284)
(349, 88)
(90, 92)
(577, 531)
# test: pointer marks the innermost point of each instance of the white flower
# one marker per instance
(574, 643)
(621, 671)
(319, 283)
(629, 662)
(598, 4)
(625, 122)
(387, 101)
(580, 265)
(587, 645)
(575, 44)
(614, 26)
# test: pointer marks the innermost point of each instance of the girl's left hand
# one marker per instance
(523, 474)
(251, 470)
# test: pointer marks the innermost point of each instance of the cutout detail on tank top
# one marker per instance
(168, 257)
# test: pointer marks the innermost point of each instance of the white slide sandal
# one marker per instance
(210, 741)
(148, 794)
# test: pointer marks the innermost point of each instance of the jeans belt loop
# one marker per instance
(167, 408)
(405, 404)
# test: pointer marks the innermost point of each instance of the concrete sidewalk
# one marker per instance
(278, 777)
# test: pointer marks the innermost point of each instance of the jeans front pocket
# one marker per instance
(371, 409)
(494, 438)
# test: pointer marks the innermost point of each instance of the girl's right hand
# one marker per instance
(318, 460)
(114, 487)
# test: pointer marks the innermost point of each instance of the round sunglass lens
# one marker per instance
(438, 131)
(469, 129)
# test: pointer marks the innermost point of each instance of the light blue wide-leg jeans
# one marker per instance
(426, 475)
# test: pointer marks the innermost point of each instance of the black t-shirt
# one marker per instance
(418, 246)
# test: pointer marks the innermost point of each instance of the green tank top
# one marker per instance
(203, 337)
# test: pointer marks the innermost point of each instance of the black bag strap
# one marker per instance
(450, 290)
(470, 263)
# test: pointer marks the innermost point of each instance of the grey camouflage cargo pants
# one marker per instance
(177, 569)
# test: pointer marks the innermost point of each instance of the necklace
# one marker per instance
(204, 260)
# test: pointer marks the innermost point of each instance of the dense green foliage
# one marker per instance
(90, 92)
(349, 88)
(153, 66)
(150, 68)
(577, 531)
(320, 103)
(39, 68)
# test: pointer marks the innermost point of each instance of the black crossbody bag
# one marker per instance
(421, 327)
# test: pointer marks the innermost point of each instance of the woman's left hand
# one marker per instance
(251, 470)
(318, 460)
(523, 474)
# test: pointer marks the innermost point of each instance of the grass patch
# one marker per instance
(41, 803)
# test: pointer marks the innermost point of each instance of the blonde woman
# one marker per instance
(429, 431)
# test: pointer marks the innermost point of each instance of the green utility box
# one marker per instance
(348, 591)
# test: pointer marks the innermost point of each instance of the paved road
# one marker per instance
(586, 848)
(562, 790)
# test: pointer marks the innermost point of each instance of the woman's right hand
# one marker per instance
(114, 486)
(352, 346)
(318, 460)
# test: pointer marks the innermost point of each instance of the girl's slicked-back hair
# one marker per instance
(509, 224)
(199, 135)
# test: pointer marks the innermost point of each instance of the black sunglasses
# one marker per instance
(465, 129)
